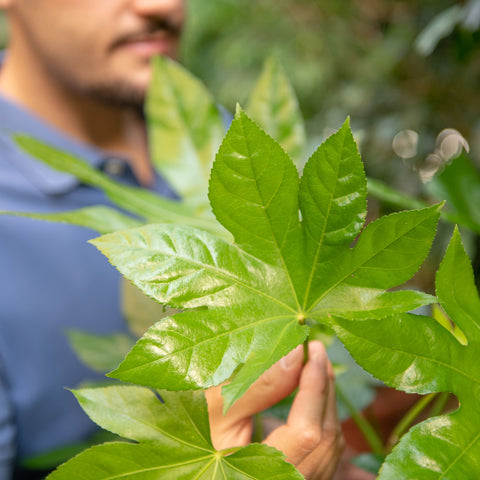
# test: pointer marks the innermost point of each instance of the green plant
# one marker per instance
(247, 303)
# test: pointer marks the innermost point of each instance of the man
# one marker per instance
(75, 76)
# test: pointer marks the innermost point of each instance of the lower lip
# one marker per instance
(149, 48)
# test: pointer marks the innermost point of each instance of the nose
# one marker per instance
(171, 8)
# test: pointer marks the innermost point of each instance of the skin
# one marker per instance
(84, 67)
(311, 438)
(92, 66)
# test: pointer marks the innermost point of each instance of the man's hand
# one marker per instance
(312, 438)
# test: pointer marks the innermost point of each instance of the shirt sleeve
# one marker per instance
(7, 429)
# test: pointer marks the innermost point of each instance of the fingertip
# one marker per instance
(292, 359)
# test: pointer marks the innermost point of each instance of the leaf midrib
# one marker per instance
(158, 429)
(320, 242)
(209, 339)
(279, 251)
(370, 258)
(173, 465)
(470, 445)
(416, 355)
(220, 273)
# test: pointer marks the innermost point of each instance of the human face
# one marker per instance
(101, 48)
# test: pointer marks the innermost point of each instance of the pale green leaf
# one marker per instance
(174, 441)
(102, 353)
(99, 218)
(139, 201)
(394, 350)
(185, 130)
(140, 311)
(333, 195)
(273, 105)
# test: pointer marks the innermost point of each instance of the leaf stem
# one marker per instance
(405, 423)
(439, 404)
(258, 430)
(305, 351)
(371, 436)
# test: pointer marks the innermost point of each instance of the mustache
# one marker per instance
(159, 26)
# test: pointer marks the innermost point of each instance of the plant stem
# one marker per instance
(371, 436)
(407, 420)
(439, 404)
(305, 351)
(258, 432)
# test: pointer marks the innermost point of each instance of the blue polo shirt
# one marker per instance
(51, 280)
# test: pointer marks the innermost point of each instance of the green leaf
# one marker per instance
(418, 354)
(174, 441)
(100, 218)
(332, 200)
(187, 268)
(249, 296)
(185, 130)
(356, 303)
(140, 311)
(102, 353)
(459, 185)
(274, 105)
(202, 348)
(401, 200)
(136, 200)
(254, 194)
(455, 285)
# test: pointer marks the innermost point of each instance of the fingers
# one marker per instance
(274, 385)
(312, 439)
(235, 427)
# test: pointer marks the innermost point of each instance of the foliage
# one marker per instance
(416, 354)
(173, 441)
(300, 256)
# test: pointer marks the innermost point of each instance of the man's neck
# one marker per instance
(117, 130)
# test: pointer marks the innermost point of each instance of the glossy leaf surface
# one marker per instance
(274, 106)
(251, 298)
(417, 354)
(173, 441)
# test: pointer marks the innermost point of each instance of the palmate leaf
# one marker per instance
(417, 354)
(173, 441)
(256, 295)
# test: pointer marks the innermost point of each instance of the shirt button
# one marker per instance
(114, 167)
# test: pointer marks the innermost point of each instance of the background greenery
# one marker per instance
(391, 65)
(403, 70)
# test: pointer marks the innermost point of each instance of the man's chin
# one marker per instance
(118, 94)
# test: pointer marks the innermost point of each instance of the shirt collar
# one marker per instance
(16, 119)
